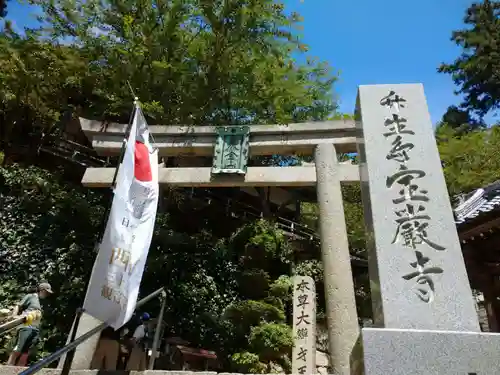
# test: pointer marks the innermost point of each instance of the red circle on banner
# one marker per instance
(142, 165)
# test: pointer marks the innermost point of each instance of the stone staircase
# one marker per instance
(12, 370)
(289, 227)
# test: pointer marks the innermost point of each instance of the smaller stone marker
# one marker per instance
(304, 326)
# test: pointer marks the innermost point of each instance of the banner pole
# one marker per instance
(156, 340)
(115, 175)
(68, 361)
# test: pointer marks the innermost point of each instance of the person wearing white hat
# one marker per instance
(28, 334)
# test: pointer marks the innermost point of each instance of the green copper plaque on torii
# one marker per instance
(231, 150)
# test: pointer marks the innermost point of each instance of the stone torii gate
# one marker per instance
(230, 147)
(414, 254)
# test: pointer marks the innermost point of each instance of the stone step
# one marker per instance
(14, 370)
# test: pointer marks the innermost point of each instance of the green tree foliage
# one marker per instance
(196, 61)
(469, 161)
(228, 293)
(259, 318)
(476, 71)
(48, 230)
(460, 120)
(40, 83)
(189, 62)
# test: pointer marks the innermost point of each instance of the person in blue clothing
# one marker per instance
(28, 334)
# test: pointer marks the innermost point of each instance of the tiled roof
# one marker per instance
(480, 201)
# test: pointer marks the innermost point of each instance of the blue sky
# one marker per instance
(387, 41)
(370, 42)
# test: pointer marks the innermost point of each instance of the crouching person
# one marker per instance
(29, 334)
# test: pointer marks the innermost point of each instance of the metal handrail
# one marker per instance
(44, 362)
(300, 230)
(6, 327)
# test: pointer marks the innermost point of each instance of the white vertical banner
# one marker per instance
(116, 277)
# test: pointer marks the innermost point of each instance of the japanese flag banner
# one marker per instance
(114, 285)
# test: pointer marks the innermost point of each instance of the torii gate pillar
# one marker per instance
(342, 318)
